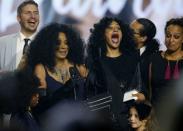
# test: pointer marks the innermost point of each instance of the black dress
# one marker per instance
(114, 75)
(159, 83)
(56, 92)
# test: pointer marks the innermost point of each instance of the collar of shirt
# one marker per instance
(142, 49)
(22, 37)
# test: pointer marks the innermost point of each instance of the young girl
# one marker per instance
(139, 117)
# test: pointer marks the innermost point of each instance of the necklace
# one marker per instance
(176, 71)
(175, 74)
(176, 57)
(62, 74)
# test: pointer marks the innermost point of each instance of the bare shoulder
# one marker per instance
(39, 68)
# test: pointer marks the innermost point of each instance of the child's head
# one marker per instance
(138, 113)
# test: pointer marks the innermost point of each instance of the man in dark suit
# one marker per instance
(144, 32)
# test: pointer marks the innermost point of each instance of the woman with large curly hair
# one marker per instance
(111, 65)
(56, 56)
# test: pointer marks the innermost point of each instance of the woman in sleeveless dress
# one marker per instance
(56, 55)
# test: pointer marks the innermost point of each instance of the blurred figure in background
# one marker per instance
(24, 118)
(74, 116)
(16, 90)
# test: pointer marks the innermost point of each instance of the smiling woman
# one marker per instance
(56, 56)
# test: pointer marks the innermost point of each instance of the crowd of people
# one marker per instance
(40, 70)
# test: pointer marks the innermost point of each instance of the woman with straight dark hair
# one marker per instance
(166, 66)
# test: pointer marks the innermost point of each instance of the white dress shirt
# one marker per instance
(142, 50)
(20, 46)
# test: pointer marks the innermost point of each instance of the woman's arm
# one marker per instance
(140, 97)
(41, 74)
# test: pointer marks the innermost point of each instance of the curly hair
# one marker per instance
(43, 47)
(97, 42)
(149, 30)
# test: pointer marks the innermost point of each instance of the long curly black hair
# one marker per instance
(43, 47)
(97, 42)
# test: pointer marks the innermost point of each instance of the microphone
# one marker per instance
(74, 73)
